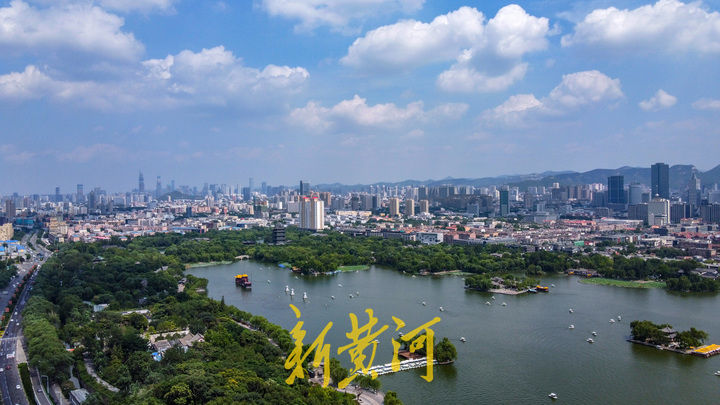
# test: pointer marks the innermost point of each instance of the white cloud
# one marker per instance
(337, 14)
(574, 91)
(72, 27)
(707, 104)
(209, 77)
(488, 56)
(666, 26)
(357, 113)
(82, 154)
(660, 100)
(123, 6)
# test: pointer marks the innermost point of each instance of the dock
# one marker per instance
(706, 351)
(404, 365)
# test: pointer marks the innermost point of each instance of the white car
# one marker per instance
(17, 387)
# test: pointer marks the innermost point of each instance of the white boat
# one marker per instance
(332, 297)
(462, 339)
(424, 303)
(487, 302)
(268, 281)
(552, 395)
(292, 291)
(287, 289)
(442, 309)
(357, 293)
(594, 333)
(350, 295)
(612, 320)
(717, 373)
(504, 304)
(571, 327)
(552, 285)
(305, 295)
(570, 310)
(619, 318)
(493, 297)
(339, 285)
(589, 340)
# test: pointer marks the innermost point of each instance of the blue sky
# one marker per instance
(350, 90)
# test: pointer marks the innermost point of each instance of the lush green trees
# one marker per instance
(480, 282)
(445, 351)
(647, 331)
(392, 399)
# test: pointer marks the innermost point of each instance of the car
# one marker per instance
(17, 387)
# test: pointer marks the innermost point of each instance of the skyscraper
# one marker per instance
(141, 183)
(660, 180)
(304, 188)
(58, 197)
(409, 207)
(424, 206)
(158, 187)
(635, 192)
(312, 213)
(693, 193)
(616, 190)
(80, 194)
(10, 208)
(251, 184)
(394, 207)
(504, 202)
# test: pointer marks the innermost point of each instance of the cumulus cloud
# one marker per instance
(487, 56)
(707, 104)
(668, 25)
(357, 113)
(72, 27)
(575, 90)
(209, 77)
(337, 14)
(660, 100)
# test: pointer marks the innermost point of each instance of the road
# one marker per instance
(10, 384)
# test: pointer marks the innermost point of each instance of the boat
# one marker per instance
(350, 295)
(332, 297)
(339, 285)
(462, 339)
(287, 289)
(243, 280)
(594, 333)
(424, 303)
(540, 288)
(553, 395)
(305, 295)
(717, 373)
(570, 310)
(493, 297)
(487, 302)
(442, 309)
(292, 292)
(571, 327)
(531, 290)
(589, 340)
(504, 304)
(552, 285)
(268, 281)
(612, 320)
(619, 318)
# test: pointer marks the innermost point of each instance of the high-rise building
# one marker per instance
(678, 212)
(158, 187)
(251, 184)
(409, 207)
(10, 208)
(304, 188)
(424, 206)
(710, 213)
(312, 213)
(660, 181)
(659, 212)
(694, 193)
(80, 195)
(246, 194)
(394, 207)
(635, 192)
(58, 197)
(616, 190)
(326, 196)
(141, 183)
(504, 202)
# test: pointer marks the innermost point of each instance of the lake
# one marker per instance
(514, 353)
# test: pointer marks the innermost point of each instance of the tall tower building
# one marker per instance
(394, 207)
(424, 206)
(58, 197)
(635, 192)
(312, 213)
(616, 190)
(693, 193)
(10, 208)
(304, 188)
(660, 180)
(409, 207)
(158, 187)
(141, 183)
(80, 195)
(251, 184)
(504, 202)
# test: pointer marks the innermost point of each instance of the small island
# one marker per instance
(507, 284)
(664, 337)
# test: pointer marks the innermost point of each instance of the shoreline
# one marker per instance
(643, 284)
(207, 264)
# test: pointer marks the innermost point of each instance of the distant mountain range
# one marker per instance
(679, 177)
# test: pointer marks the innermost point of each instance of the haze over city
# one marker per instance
(341, 92)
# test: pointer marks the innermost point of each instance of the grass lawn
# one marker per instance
(354, 268)
(623, 283)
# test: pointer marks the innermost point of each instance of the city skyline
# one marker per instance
(425, 89)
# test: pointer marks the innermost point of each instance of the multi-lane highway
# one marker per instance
(10, 384)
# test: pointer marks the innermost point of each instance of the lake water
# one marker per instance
(515, 353)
